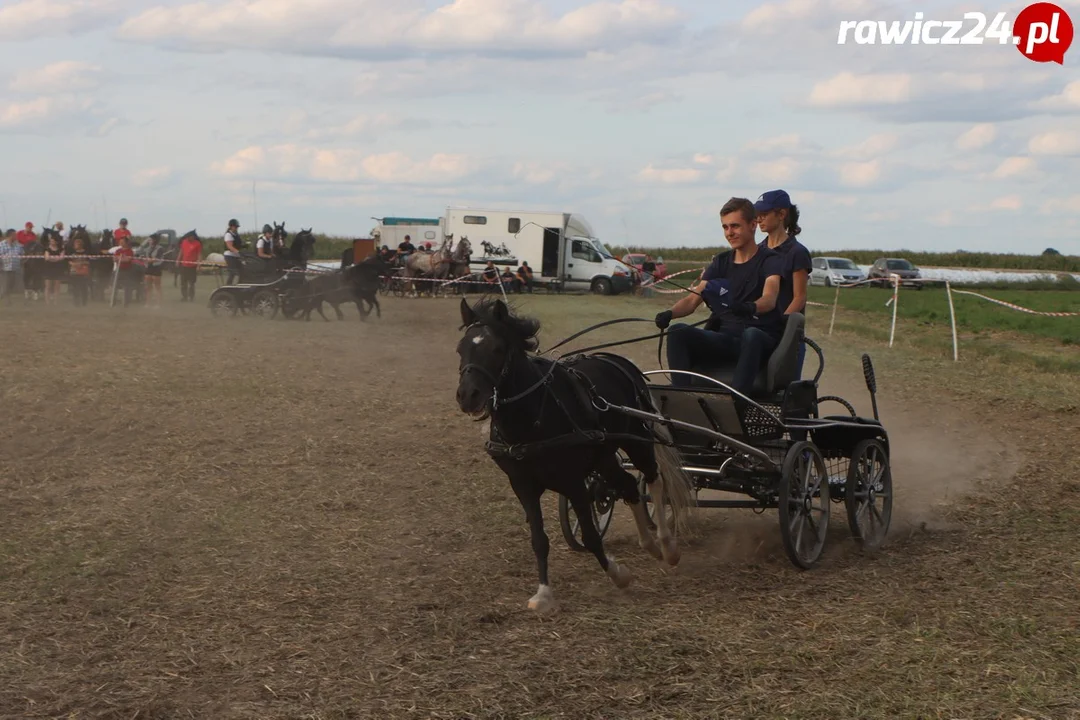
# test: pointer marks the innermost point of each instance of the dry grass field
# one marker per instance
(243, 518)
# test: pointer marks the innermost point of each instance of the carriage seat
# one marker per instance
(775, 375)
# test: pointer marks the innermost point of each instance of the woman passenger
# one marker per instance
(54, 269)
(778, 218)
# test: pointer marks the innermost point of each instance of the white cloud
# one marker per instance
(1068, 99)
(670, 176)
(1014, 167)
(59, 77)
(1062, 206)
(977, 137)
(298, 163)
(849, 89)
(1010, 203)
(42, 114)
(43, 18)
(371, 28)
(871, 148)
(1058, 142)
(157, 177)
(785, 170)
(860, 174)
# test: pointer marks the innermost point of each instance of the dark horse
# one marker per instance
(357, 283)
(548, 433)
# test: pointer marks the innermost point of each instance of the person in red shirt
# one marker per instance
(190, 256)
(26, 236)
(124, 257)
(122, 231)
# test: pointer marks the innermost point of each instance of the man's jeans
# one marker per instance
(690, 347)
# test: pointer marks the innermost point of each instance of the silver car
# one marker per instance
(829, 271)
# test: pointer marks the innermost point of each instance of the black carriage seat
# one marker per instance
(777, 373)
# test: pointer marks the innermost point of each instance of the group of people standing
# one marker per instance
(750, 292)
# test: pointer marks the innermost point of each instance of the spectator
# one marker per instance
(79, 281)
(509, 282)
(54, 268)
(124, 257)
(121, 232)
(65, 233)
(153, 252)
(190, 257)
(525, 276)
(26, 235)
(491, 273)
(10, 262)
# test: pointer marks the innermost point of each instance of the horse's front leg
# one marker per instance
(590, 538)
(528, 491)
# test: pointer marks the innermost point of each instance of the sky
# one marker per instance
(644, 116)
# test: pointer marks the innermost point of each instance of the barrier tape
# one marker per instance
(1013, 306)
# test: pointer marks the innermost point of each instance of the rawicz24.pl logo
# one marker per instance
(1042, 32)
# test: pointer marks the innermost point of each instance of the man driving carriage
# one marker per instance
(740, 288)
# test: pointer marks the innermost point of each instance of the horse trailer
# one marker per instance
(391, 231)
(560, 247)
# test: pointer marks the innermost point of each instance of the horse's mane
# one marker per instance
(522, 330)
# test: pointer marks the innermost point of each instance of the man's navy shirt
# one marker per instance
(745, 282)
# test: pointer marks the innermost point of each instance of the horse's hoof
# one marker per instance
(543, 600)
(670, 548)
(652, 548)
(619, 575)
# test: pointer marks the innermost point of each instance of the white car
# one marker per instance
(829, 271)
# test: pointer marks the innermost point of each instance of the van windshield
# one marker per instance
(599, 247)
(842, 264)
(898, 264)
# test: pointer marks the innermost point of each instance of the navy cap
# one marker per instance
(772, 200)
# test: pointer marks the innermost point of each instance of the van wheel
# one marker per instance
(601, 286)
(828, 282)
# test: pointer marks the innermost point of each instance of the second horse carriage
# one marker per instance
(267, 286)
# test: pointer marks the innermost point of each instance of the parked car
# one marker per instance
(883, 267)
(638, 260)
(829, 271)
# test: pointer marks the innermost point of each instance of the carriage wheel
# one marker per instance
(265, 304)
(223, 304)
(804, 504)
(603, 509)
(868, 494)
(399, 286)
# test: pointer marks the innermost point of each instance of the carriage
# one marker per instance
(774, 449)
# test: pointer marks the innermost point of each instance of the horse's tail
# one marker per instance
(678, 487)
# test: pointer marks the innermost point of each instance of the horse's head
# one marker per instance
(279, 235)
(493, 340)
(463, 251)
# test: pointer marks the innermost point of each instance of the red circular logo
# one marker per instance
(1043, 32)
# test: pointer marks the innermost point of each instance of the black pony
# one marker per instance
(551, 427)
(357, 283)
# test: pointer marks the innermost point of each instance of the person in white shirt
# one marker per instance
(233, 245)
(264, 246)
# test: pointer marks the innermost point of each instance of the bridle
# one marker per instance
(495, 400)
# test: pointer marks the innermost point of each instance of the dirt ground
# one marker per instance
(270, 519)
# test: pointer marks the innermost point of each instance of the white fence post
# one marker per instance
(895, 293)
(952, 319)
(836, 301)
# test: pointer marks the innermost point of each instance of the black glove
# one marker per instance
(663, 319)
(746, 309)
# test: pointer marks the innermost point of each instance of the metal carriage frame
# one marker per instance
(263, 300)
(779, 453)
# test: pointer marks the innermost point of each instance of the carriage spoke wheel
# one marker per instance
(223, 305)
(602, 509)
(804, 504)
(264, 304)
(868, 494)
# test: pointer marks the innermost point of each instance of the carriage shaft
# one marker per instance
(748, 449)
